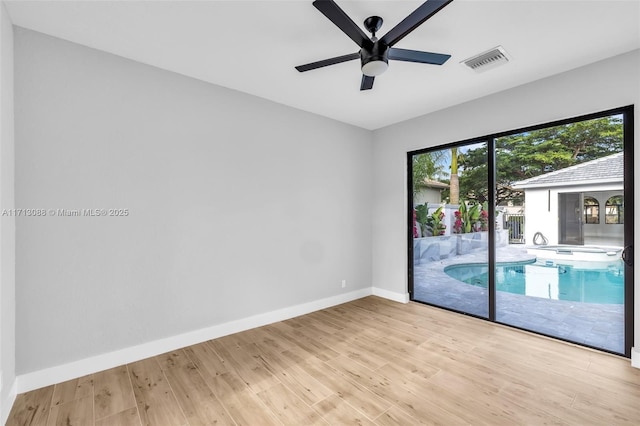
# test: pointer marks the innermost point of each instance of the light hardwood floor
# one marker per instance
(367, 362)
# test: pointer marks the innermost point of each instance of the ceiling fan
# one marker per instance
(375, 53)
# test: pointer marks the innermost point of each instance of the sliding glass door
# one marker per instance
(450, 228)
(531, 228)
(569, 282)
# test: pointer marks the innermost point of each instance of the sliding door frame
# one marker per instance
(628, 137)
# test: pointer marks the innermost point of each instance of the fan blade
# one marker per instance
(413, 21)
(367, 82)
(336, 15)
(327, 62)
(417, 56)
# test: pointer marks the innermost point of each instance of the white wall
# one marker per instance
(541, 211)
(238, 206)
(427, 195)
(604, 85)
(7, 223)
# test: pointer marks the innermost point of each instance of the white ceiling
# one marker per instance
(253, 46)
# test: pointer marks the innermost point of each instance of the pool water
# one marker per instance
(559, 282)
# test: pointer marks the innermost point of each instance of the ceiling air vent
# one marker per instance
(487, 60)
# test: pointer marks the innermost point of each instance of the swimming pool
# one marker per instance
(558, 282)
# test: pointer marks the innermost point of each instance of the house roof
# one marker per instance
(429, 183)
(609, 169)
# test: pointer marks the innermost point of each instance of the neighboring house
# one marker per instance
(581, 204)
(430, 192)
(511, 207)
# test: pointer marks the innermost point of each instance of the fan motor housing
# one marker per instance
(378, 52)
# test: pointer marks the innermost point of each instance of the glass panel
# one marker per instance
(591, 210)
(450, 228)
(614, 210)
(570, 216)
(560, 272)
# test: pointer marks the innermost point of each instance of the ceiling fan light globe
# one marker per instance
(374, 68)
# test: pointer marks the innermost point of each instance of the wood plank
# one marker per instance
(31, 408)
(207, 360)
(337, 411)
(113, 392)
(72, 389)
(75, 413)
(361, 349)
(401, 369)
(394, 416)
(128, 417)
(310, 343)
(265, 335)
(298, 355)
(322, 318)
(289, 408)
(240, 402)
(198, 403)
(273, 361)
(486, 406)
(234, 341)
(249, 369)
(337, 316)
(358, 396)
(304, 385)
(392, 392)
(312, 325)
(614, 367)
(522, 370)
(409, 396)
(626, 411)
(154, 397)
(551, 399)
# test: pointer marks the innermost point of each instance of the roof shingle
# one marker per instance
(609, 168)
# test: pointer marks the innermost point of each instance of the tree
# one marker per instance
(529, 154)
(425, 166)
(454, 184)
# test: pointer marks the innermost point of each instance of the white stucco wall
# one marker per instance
(427, 195)
(541, 213)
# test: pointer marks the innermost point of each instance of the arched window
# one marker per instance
(614, 210)
(591, 210)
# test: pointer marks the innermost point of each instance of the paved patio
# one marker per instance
(593, 324)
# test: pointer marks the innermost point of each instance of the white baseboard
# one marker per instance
(391, 295)
(635, 357)
(48, 376)
(7, 403)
